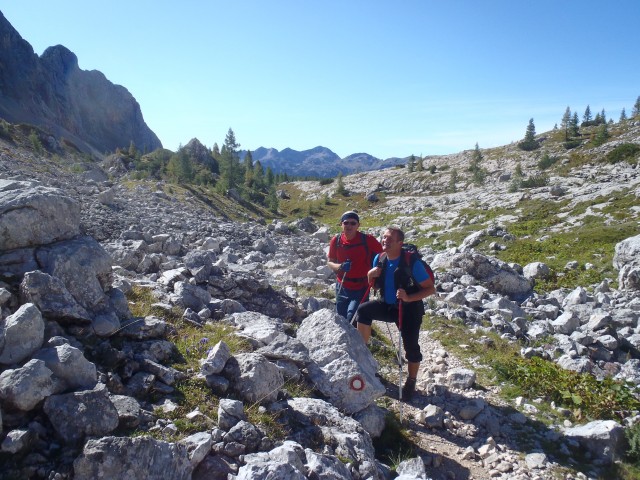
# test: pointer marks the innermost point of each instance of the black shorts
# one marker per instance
(411, 320)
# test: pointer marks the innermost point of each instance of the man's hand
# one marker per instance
(346, 266)
(373, 274)
(401, 294)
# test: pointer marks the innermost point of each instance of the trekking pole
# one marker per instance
(344, 277)
(365, 294)
(400, 356)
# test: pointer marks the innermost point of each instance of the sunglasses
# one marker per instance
(349, 222)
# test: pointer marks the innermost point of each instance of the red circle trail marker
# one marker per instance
(357, 383)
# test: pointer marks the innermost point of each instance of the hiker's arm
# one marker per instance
(426, 288)
(373, 274)
(333, 265)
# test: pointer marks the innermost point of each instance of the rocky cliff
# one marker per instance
(53, 93)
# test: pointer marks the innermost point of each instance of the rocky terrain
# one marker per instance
(88, 389)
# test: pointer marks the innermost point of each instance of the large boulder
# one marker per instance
(627, 260)
(84, 268)
(343, 368)
(23, 388)
(31, 215)
(139, 458)
(21, 334)
(84, 413)
(495, 275)
(604, 439)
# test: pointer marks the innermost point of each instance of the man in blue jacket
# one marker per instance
(399, 279)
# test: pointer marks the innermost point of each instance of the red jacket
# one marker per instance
(361, 257)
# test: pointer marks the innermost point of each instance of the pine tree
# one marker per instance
(419, 164)
(248, 170)
(230, 170)
(602, 135)
(529, 143)
(478, 173)
(272, 199)
(340, 190)
(574, 130)
(215, 151)
(623, 116)
(565, 123)
(586, 118)
(453, 179)
(133, 151)
(411, 164)
(270, 177)
(636, 108)
(258, 176)
(180, 168)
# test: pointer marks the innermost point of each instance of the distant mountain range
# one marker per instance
(319, 162)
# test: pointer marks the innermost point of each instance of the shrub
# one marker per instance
(535, 181)
(633, 438)
(546, 161)
(528, 146)
(569, 144)
(627, 152)
(4, 130)
(326, 181)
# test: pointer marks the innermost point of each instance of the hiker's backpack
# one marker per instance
(364, 243)
(411, 254)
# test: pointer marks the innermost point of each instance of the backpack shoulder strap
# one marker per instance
(366, 249)
(338, 240)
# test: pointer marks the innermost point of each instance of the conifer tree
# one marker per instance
(270, 177)
(133, 151)
(623, 115)
(340, 190)
(420, 164)
(215, 151)
(230, 171)
(478, 173)
(636, 108)
(565, 123)
(453, 179)
(574, 130)
(411, 164)
(248, 170)
(602, 135)
(180, 168)
(258, 176)
(529, 143)
(272, 199)
(586, 118)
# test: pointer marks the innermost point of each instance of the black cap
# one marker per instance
(350, 214)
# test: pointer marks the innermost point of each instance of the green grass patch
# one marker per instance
(627, 152)
(586, 396)
(395, 444)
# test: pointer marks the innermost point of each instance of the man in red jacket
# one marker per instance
(350, 257)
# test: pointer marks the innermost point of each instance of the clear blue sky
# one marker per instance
(389, 78)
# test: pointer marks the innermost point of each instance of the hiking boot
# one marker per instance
(408, 389)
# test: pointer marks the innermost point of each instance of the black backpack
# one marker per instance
(410, 255)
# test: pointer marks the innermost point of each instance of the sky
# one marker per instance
(388, 78)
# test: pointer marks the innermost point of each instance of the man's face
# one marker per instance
(389, 240)
(350, 225)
